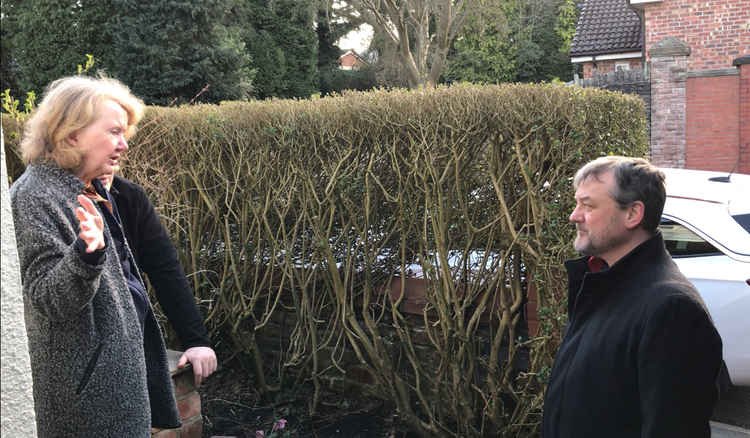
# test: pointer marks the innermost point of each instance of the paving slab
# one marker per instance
(721, 430)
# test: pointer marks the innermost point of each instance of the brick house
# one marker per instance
(608, 38)
(696, 56)
(351, 60)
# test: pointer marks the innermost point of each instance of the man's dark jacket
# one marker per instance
(640, 355)
(156, 256)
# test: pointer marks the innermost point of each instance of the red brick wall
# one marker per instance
(718, 31)
(712, 123)
(604, 67)
(744, 96)
(188, 404)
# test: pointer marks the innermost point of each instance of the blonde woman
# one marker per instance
(98, 359)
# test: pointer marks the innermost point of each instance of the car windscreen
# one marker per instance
(681, 242)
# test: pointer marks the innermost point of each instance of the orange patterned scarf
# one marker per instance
(91, 193)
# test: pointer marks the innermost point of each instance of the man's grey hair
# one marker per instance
(635, 180)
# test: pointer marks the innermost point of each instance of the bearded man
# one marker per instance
(640, 356)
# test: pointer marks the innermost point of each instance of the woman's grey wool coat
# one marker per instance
(95, 372)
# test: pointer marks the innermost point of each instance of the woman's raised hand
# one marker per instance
(92, 225)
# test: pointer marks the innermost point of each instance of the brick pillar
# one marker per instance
(743, 63)
(188, 401)
(668, 103)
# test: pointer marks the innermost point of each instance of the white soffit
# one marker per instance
(628, 55)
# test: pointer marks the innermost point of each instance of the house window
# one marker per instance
(622, 66)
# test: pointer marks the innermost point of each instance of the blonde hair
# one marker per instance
(70, 104)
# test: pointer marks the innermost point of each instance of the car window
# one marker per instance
(743, 220)
(681, 242)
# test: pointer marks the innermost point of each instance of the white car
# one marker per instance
(706, 227)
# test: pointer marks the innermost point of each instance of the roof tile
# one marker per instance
(606, 26)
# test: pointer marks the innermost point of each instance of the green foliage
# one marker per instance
(565, 26)
(166, 51)
(45, 41)
(10, 104)
(300, 220)
(541, 52)
(12, 128)
(514, 40)
(334, 80)
(481, 59)
(281, 39)
(88, 65)
(484, 53)
(170, 50)
(8, 66)
(328, 51)
(173, 52)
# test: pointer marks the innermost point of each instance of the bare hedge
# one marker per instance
(309, 210)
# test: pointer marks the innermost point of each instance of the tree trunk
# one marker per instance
(422, 52)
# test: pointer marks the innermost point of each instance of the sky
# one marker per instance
(358, 40)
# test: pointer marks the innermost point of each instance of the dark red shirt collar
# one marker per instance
(596, 264)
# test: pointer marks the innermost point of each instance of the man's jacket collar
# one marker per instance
(647, 253)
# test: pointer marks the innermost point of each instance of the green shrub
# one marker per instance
(336, 80)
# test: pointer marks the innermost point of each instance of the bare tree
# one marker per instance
(422, 30)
